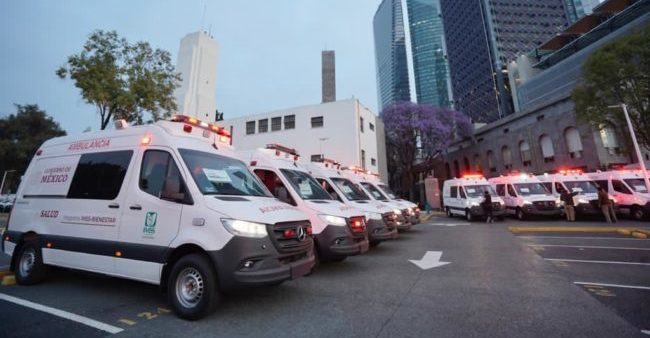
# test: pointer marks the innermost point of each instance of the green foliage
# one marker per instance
(20, 136)
(123, 80)
(617, 73)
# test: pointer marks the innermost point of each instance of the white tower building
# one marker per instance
(197, 64)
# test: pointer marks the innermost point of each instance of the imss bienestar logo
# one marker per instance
(150, 223)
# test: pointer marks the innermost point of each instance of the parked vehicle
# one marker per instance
(524, 196)
(464, 197)
(628, 189)
(339, 230)
(574, 181)
(165, 203)
(414, 210)
(380, 217)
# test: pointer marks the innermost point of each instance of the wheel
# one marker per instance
(468, 216)
(192, 288)
(520, 214)
(29, 264)
(637, 213)
(449, 214)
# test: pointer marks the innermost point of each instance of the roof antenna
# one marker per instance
(203, 15)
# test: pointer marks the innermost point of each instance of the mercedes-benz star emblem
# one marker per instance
(301, 234)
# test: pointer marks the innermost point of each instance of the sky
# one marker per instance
(269, 51)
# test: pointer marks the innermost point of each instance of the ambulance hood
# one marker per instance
(372, 206)
(537, 198)
(257, 209)
(407, 203)
(335, 208)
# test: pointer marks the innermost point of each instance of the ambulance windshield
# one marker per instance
(351, 191)
(376, 194)
(305, 186)
(583, 187)
(387, 191)
(637, 184)
(527, 189)
(479, 190)
(220, 175)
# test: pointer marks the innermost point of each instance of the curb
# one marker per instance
(626, 231)
(9, 280)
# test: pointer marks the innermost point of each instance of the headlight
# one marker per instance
(411, 211)
(582, 201)
(474, 204)
(373, 215)
(333, 220)
(558, 202)
(528, 203)
(397, 211)
(244, 228)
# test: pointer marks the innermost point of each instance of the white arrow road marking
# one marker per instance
(431, 259)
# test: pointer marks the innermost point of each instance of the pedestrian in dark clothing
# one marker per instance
(606, 205)
(487, 207)
(569, 209)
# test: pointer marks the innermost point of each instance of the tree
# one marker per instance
(123, 80)
(617, 73)
(419, 133)
(20, 136)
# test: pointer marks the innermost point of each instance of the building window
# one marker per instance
(548, 152)
(363, 159)
(477, 163)
(263, 126)
(466, 164)
(371, 126)
(250, 127)
(276, 123)
(290, 122)
(609, 138)
(524, 151)
(573, 142)
(491, 162)
(361, 123)
(373, 161)
(317, 122)
(506, 156)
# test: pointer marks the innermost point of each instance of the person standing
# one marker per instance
(569, 208)
(487, 207)
(606, 205)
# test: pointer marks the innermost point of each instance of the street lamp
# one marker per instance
(636, 144)
(4, 176)
(320, 145)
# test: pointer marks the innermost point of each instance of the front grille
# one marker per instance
(496, 205)
(390, 219)
(292, 244)
(406, 213)
(544, 205)
(594, 204)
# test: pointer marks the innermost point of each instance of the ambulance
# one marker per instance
(339, 230)
(166, 203)
(380, 218)
(574, 181)
(525, 196)
(355, 174)
(628, 189)
(464, 197)
(414, 210)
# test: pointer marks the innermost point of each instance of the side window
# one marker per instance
(619, 186)
(159, 176)
(275, 185)
(99, 176)
(501, 189)
(511, 191)
(602, 184)
(454, 192)
(329, 189)
(559, 187)
(462, 192)
(548, 186)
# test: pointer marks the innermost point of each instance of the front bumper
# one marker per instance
(269, 267)
(478, 211)
(534, 211)
(588, 209)
(338, 241)
(378, 230)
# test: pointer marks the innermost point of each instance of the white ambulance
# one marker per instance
(414, 210)
(380, 218)
(628, 189)
(339, 230)
(165, 203)
(524, 196)
(574, 181)
(464, 197)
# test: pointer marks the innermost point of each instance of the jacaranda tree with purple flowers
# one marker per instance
(418, 133)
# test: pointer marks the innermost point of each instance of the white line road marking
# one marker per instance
(589, 261)
(646, 332)
(588, 247)
(449, 224)
(615, 285)
(63, 314)
(579, 237)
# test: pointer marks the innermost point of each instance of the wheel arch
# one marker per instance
(27, 236)
(176, 254)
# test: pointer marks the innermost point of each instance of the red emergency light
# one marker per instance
(357, 224)
(192, 121)
(468, 176)
(570, 171)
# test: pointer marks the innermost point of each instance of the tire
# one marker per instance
(468, 216)
(30, 269)
(638, 214)
(520, 214)
(449, 214)
(192, 287)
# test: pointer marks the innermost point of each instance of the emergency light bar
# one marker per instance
(282, 148)
(570, 171)
(200, 124)
(472, 176)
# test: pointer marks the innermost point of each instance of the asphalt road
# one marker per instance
(497, 284)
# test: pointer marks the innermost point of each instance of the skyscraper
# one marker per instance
(197, 64)
(482, 36)
(328, 76)
(390, 54)
(428, 52)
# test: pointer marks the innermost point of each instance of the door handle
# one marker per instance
(113, 205)
(136, 207)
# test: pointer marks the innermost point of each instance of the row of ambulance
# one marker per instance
(524, 195)
(173, 204)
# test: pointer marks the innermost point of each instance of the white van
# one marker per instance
(586, 200)
(402, 211)
(628, 189)
(380, 217)
(524, 195)
(414, 210)
(464, 196)
(165, 203)
(339, 230)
